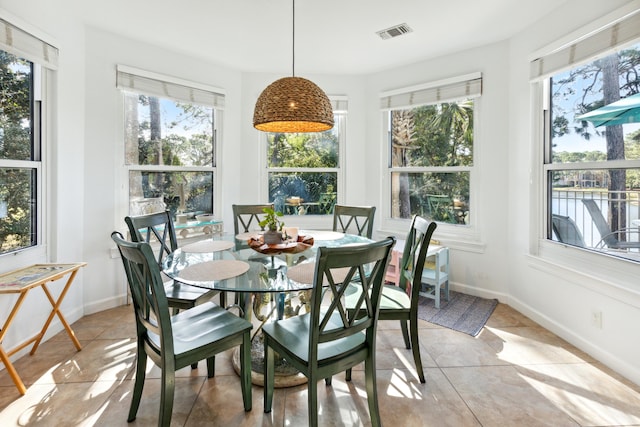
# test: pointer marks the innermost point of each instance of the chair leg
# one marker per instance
(436, 295)
(405, 334)
(245, 370)
(223, 299)
(372, 392)
(141, 368)
(312, 400)
(166, 395)
(269, 372)
(194, 365)
(211, 366)
(347, 375)
(416, 348)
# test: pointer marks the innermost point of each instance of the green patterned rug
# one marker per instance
(463, 313)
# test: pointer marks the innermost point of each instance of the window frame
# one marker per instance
(598, 272)
(540, 90)
(27, 43)
(340, 111)
(461, 236)
(218, 117)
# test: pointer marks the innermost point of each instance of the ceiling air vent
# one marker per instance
(394, 31)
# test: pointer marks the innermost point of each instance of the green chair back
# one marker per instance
(247, 217)
(354, 219)
(158, 229)
(328, 339)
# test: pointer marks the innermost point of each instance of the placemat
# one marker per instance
(303, 273)
(322, 235)
(246, 236)
(214, 270)
(206, 246)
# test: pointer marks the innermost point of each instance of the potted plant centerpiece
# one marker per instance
(273, 226)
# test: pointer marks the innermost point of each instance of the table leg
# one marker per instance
(56, 311)
(12, 372)
(4, 357)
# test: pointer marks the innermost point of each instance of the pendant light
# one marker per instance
(293, 104)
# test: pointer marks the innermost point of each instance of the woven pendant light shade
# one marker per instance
(293, 104)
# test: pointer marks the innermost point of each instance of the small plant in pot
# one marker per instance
(273, 226)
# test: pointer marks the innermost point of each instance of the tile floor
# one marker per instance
(515, 373)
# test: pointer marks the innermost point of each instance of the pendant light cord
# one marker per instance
(293, 38)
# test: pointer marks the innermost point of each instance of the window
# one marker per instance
(430, 133)
(304, 168)
(592, 170)
(24, 61)
(171, 130)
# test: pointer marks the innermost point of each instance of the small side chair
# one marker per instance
(174, 342)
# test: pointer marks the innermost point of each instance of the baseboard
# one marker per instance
(106, 304)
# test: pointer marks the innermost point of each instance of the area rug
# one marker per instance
(463, 313)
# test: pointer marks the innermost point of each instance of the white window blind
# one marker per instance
(166, 87)
(618, 33)
(24, 45)
(468, 86)
(339, 103)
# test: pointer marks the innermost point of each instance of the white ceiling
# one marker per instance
(332, 36)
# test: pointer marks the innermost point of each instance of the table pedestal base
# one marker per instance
(285, 375)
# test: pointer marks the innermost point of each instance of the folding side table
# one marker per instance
(20, 282)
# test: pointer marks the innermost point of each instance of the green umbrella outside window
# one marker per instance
(626, 110)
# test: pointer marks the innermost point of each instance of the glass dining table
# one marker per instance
(226, 263)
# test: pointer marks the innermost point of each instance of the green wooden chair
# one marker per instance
(173, 342)
(400, 301)
(158, 229)
(247, 217)
(326, 340)
(354, 219)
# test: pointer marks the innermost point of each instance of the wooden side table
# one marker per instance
(20, 282)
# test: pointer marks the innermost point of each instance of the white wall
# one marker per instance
(88, 200)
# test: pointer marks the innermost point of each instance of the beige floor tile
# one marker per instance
(220, 403)
(530, 345)
(499, 396)
(57, 404)
(116, 410)
(505, 316)
(405, 401)
(451, 348)
(586, 393)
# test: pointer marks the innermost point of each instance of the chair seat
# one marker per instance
(182, 291)
(294, 333)
(393, 298)
(200, 326)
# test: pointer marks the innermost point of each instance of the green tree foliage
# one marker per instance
(182, 137)
(432, 136)
(16, 189)
(297, 151)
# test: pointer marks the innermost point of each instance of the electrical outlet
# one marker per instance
(596, 319)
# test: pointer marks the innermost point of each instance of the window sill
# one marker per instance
(607, 275)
